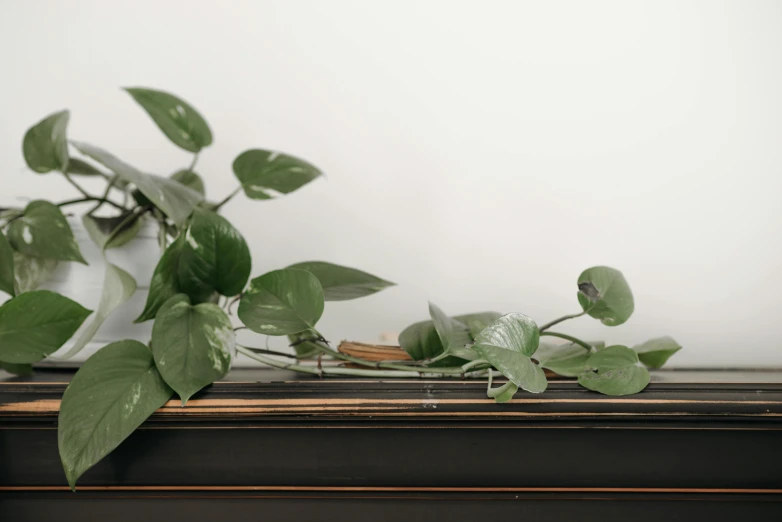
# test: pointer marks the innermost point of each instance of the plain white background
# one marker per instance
(480, 154)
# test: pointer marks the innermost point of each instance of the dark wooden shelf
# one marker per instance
(695, 445)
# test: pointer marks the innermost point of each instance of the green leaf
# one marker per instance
(100, 229)
(110, 396)
(118, 287)
(189, 179)
(214, 256)
(44, 232)
(164, 284)
(477, 322)
(508, 344)
(178, 120)
(36, 324)
(31, 272)
(515, 366)
(6, 267)
(171, 197)
(17, 369)
(613, 357)
(454, 336)
(568, 360)
(282, 302)
(263, 172)
(193, 346)
(45, 145)
(82, 168)
(421, 341)
(616, 372)
(513, 331)
(341, 283)
(604, 294)
(656, 352)
(306, 349)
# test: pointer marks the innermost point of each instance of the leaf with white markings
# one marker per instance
(45, 145)
(44, 232)
(31, 272)
(282, 302)
(173, 198)
(118, 287)
(178, 120)
(341, 283)
(110, 396)
(214, 257)
(36, 324)
(193, 346)
(263, 173)
(6, 267)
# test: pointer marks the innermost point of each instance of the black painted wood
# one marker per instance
(693, 446)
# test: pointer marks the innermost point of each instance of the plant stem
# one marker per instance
(472, 364)
(227, 199)
(495, 392)
(569, 338)
(78, 187)
(193, 163)
(105, 195)
(270, 352)
(90, 198)
(557, 321)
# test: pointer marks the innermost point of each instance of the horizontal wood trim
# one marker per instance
(378, 489)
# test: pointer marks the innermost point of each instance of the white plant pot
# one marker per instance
(84, 284)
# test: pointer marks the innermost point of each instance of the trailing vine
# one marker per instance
(204, 272)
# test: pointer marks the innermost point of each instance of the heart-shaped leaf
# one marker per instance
(44, 232)
(36, 324)
(45, 145)
(263, 173)
(31, 272)
(173, 198)
(164, 284)
(508, 344)
(282, 302)
(190, 179)
(568, 360)
(477, 322)
(616, 372)
(178, 120)
(656, 352)
(604, 294)
(82, 168)
(341, 283)
(118, 287)
(193, 346)
(214, 257)
(110, 396)
(6, 267)
(101, 229)
(513, 331)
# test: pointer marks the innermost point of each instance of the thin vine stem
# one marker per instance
(76, 185)
(568, 338)
(227, 199)
(88, 199)
(559, 320)
(193, 163)
(105, 196)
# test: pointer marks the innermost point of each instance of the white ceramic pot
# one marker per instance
(84, 285)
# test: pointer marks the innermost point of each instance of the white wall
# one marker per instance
(480, 154)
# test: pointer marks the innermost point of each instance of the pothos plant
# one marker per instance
(204, 270)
